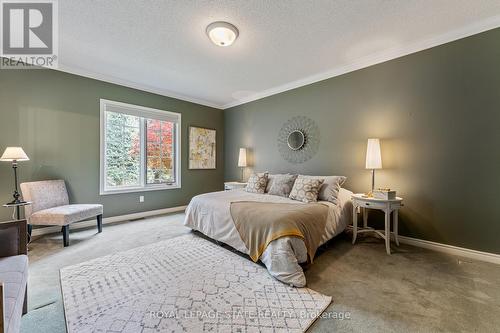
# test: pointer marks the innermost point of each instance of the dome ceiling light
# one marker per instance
(222, 33)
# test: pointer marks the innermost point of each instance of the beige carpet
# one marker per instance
(185, 284)
(412, 290)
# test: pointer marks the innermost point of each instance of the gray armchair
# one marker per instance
(50, 206)
(13, 275)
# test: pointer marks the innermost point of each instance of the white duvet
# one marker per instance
(210, 214)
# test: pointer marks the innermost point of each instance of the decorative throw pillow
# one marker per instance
(306, 189)
(329, 190)
(282, 185)
(257, 183)
(272, 177)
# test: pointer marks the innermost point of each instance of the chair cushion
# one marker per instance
(14, 275)
(64, 215)
(44, 194)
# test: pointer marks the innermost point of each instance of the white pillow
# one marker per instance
(329, 190)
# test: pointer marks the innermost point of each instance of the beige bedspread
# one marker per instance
(259, 223)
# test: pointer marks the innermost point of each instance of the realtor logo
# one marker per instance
(29, 34)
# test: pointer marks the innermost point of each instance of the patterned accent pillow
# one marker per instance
(306, 189)
(282, 185)
(329, 190)
(257, 183)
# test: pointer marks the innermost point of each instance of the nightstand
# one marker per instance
(362, 202)
(228, 186)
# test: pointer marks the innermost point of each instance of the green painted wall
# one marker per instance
(438, 115)
(54, 116)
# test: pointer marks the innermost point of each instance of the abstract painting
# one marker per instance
(202, 148)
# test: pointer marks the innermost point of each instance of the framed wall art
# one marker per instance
(202, 148)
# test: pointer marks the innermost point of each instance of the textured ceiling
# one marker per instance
(161, 46)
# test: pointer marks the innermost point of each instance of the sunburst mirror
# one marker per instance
(298, 139)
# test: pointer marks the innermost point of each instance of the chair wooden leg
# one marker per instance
(25, 304)
(99, 223)
(65, 231)
(30, 229)
(2, 308)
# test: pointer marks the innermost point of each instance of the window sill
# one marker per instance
(141, 189)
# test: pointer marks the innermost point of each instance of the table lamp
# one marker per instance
(14, 155)
(373, 159)
(242, 161)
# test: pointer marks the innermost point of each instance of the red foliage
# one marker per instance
(159, 139)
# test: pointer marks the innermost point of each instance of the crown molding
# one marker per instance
(394, 53)
(364, 62)
(134, 85)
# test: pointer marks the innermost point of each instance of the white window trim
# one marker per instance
(143, 187)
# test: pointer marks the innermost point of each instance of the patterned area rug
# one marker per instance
(184, 284)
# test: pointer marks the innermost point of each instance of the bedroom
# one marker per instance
(143, 128)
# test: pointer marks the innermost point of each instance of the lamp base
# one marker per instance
(242, 174)
(16, 196)
(370, 194)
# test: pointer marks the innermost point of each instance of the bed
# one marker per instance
(210, 214)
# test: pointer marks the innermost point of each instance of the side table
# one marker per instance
(364, 202)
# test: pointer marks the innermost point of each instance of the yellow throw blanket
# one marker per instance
(259, 223)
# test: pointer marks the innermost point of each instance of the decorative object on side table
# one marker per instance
(384, 193)
(14, 155)
(363, 202)
(202, 148)
(228, 186)
(242, 162)
(373, 159)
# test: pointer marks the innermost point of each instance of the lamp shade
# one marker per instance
(373, 156)
(242, 159)
(14, 154)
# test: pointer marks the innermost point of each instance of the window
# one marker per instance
(140, 148)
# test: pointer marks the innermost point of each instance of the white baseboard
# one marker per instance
(445, 248)
(107, 220)
(453, 250)
(439, 247)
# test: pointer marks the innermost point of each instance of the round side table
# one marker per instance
(363, 202)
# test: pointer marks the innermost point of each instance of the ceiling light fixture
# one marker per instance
(222, 33)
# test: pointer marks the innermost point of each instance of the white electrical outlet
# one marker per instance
(141, 198)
